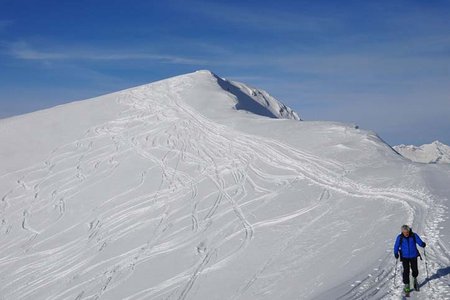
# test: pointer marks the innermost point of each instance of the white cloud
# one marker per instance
(261, 19)
(23, 50)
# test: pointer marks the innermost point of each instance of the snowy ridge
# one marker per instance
(436, 152)
(257, 101)
(171, 193)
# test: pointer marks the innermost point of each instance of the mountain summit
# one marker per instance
(433, 153)
(197, 187)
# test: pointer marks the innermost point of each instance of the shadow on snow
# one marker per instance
(440, 273)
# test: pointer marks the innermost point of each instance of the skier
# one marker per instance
(406, 248)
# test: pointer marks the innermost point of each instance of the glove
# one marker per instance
(424, 245)
(396, 256)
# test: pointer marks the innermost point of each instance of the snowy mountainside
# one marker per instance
(170, 191)
(436, 152)
(257, 101)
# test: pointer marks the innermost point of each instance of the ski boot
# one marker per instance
(407, 290)
(416, 284)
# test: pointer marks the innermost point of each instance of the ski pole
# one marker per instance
(395, 271)
(426, 264)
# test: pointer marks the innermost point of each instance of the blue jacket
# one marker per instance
(407, 248)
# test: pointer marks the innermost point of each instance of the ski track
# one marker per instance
(169, 136)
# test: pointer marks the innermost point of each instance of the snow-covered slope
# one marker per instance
(256, 101)
(436, 152)
(167, 191)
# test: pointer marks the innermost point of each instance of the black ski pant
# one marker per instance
(409, 263)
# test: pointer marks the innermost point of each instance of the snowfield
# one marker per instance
(434, 153)
(196, 187)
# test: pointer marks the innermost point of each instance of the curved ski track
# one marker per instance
(187, 150)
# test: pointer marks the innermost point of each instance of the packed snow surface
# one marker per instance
(435, 152)
(196, 187)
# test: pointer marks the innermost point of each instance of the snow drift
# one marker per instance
(433, 153)
(196, 187)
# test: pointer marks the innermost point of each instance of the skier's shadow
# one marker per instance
(440, 273)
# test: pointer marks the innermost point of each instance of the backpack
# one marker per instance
(411, 233)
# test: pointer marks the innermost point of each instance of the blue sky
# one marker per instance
(383, 65)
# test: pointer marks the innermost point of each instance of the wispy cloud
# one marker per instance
(262, 19)
(418, 56)
(23, 50)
